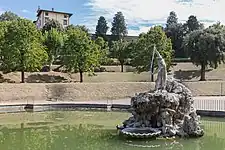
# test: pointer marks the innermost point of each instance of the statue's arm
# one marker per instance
(158, 54)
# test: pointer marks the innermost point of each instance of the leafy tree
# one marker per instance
(101, 28)
(22, 48)
(8, 16)
(120, 50)
(3, 30)
(119, 28)
(80, 53)
(104, 49)
(52, 23)
(53, 40)
(175, 31)
(206, 47)
(144, 46)
(82, 27)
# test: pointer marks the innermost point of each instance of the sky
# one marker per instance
(140, 15)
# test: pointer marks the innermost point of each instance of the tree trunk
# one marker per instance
(122, 67)
(22, 67)
(202, 72)
(22, 77)
(81, 76)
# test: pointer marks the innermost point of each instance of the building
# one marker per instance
(44, 15)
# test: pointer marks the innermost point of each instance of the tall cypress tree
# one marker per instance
(101, 27)
(119, 27)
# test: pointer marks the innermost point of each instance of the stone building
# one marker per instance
(44, 15)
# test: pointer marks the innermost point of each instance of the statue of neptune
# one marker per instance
(160, 83)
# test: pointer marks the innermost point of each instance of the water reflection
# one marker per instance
(95, 137)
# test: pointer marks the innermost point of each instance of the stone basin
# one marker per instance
(140, 132)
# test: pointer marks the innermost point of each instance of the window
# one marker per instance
(65, 16)
(64, 22)
(39, 23)
(46, 13)
(46, 19)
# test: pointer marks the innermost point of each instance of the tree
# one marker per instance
(53, 40)
(206, 47)
(101, 28)
(22, 48)
(119, 28)
(52, 23)
(120, 51)
(193, 24)
(143, 49)
(175, 31)
(8, 16)
(172, 19)
(82, 27)
(104, 49)
(80, 53)
(3, 31)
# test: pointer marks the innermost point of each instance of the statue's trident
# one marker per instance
(152, 62)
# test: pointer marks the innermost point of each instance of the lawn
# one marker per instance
(186, 71)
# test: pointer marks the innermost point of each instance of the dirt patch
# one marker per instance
(43, 78)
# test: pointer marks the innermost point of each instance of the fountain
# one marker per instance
(166, 111)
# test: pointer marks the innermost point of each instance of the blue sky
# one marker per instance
(140, 15)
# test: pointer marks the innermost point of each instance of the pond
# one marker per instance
(89, 130)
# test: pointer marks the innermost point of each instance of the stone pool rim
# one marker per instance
(29, 107)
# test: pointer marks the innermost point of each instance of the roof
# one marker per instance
(39, 12)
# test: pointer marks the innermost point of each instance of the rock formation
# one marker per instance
(167, 110)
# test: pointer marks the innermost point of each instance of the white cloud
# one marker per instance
(140, 12)
(1, 11)
(25, 11)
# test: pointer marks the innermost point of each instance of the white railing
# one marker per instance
(212, 104)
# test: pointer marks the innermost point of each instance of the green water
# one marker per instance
(92, 131)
